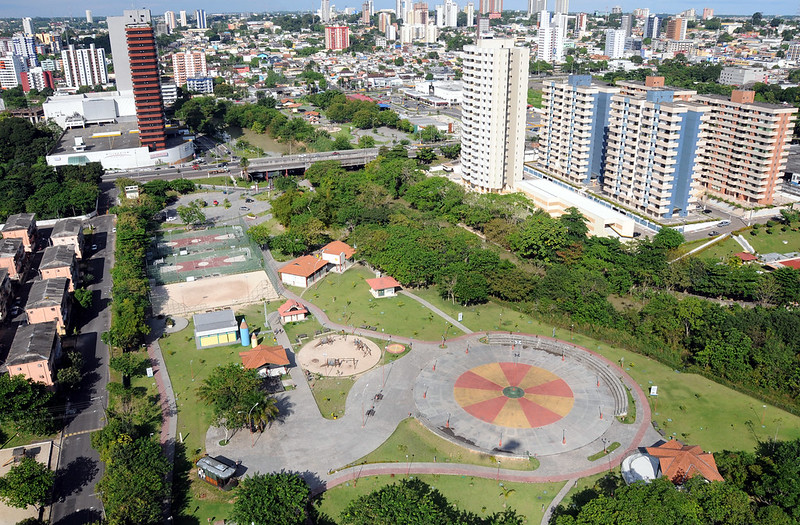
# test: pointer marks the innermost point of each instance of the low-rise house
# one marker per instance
(34, 352)
(292, 311)
(22, 226)
(303, 271)
(339, 254)
(215, 328)
(49, 300)
(383, 286)
(12, 257)
(60, 261)
(5, 293)
(266, 360)
(68, 232)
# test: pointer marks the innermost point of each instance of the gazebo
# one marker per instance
(679, 462)
(267, 360)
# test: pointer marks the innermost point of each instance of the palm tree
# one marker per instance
(244, 162)
(266, 411)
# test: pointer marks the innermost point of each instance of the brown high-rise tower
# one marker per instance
(146, 86)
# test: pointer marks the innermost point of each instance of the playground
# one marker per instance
(177, 255)
(336, 355)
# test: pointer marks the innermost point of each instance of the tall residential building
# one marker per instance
(745, 154)
(25, 46)
(36, 78)
(615, 43)
(169, 19)
(676, 28)
(325, 11)
(11, 68)
(365, 18)
(371, 4)
(384, 20)
(420, 14)
(626, 24)
(551, 35)
(84, 67)
(337, 37)
(200, 19)
(133, 47)
(493, 114)
(189, 64)
(469, 10)
(652, 161)
(576, 117)
(652, 28)
(580, 23)
(89, 19)
(562, 6)
(708, 13)
(182, 17)
(447, 14)
(493, 8)
(398, 9)
(536, 6)
(616, 10)
(27, 25)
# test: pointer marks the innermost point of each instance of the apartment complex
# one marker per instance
(337, 37)
(571, 146)
(84, 67)
(11, 69)
(189, 64)
(493, 114)
(656, 149)
(745, 156)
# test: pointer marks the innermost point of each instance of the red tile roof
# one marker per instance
(680, 462)
(264, 355)
(382, 283)
(792, 263)
(304, 266)
(337, 248)
(292, 307)
(746, 257)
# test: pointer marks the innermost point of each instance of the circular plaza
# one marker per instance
(536, 397)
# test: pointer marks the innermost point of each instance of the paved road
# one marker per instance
(79, 466)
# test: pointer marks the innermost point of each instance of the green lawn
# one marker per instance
(582, 484)
(778, 241)
(721, 250)
(330, 393)
(478, 495)
(346, 299)
(411, 439)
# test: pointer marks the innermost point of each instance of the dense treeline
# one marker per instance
(701, 77)
(406, 224)
(759, 487)
(28, 184)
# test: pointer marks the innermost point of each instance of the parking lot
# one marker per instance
(242, 205)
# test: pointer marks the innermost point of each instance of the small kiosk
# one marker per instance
(217, 471)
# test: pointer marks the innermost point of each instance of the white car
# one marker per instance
(171, 218)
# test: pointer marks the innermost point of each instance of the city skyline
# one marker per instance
(42, 8)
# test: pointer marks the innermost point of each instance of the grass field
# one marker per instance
(346, 299)
(330, 393)
(778, 241)
(411, 439)
(478, 495)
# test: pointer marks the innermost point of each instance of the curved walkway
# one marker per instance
(437, 311)
(313, 446)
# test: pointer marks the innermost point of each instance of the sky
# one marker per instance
(77, 8)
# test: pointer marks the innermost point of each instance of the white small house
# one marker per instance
(291, 311)
(339, 254)
(383, 286)
(303, 271)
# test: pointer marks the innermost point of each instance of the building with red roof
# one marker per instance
(268, 360)
(303, 271)
(291, 311)
(339, 254)
(383, 286)
(746, 257)
(679, 462)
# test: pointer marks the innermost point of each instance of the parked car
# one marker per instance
(712, 233)
(244, 208)
(114, 229)
(94, 247)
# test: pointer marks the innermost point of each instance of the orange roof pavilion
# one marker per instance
(337, 248)
(304, 266)
(680, 462)
(264, 355)
(292, 307)
(382, 283)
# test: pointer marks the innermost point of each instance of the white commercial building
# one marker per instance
(552, 33)
(493, 111)
(84, 67)
(740, 76)
(615, 43)
(11, 66)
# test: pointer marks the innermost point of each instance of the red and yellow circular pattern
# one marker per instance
(513, 395)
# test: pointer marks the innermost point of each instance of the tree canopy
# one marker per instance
(264, 499)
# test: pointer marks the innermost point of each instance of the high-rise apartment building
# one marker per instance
(708, 13)
(469, 10)
(170, 20)
(133, 47)
(676, 28)
(189, 64)
(337, 37)
(652, 28)
(615, 43)
(493, 114)
(626, 24)
(11, 67)
(580, 23)
(325, 11)
(384, 20)
(447, 14)
(84, 67)
(652, 153)
(89, 18)
(27, 26)
(36, 78)
(536, 6)
(398, 9)
(25, 46)
(576, 113)
(745, 155)
(551, 35)
(182, 18)
(200, 19)
(493, 8)
(365, 17)
(562, 6)
(420, 14)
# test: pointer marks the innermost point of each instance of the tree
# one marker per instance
(83, 296)
(426, 155)
(192, 214)
(540, 238)
(260, 234)
(272, 498)
(27, 483)
(575, 223)
(244, 163)
(668, 238)
(24, 403)
(128, 364)
(452, 151)
(397, 503)
(366, 141)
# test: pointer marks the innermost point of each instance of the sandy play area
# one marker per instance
(338, 355)
(210, 293)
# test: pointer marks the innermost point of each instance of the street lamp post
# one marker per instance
(363, 414)
(250, 424)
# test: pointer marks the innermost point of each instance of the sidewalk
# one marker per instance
(438, 312)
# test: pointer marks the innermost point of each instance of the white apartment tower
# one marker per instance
(11, 68)
(615, 43)
(27, 25)
(493, 114)
(469, 9)
(182, 17)
(536, 6)
(169, 19)
(398, 9)
(562, 6)
(325, 11)
(84, 67)
(89, 19)
(551, 37)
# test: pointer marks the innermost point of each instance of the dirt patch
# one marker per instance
(210, 293)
